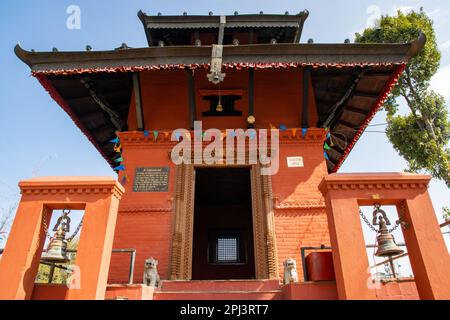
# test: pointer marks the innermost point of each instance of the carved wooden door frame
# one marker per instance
(266, 262)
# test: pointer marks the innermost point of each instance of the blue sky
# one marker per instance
(39, 139)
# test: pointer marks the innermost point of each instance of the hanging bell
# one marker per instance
(386, 242)
(219, 107)
(57, 248)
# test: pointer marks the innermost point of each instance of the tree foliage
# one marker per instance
(422, 135)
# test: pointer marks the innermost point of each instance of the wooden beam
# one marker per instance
(355, 110)
(138, 102)
(251, 86)
(192, 103)
(305, 109)
(347, 125)
(368, 95)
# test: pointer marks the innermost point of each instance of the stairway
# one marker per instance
(219, 290)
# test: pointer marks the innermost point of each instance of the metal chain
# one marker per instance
(367, 221)
(397, 223)
(76, 231)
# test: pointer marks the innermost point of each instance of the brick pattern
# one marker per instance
(150, 234)
(299, 228)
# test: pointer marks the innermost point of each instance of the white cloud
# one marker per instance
(441, 83)
(445, 46)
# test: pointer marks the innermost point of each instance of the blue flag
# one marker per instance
(119, 168)
(304, 131)
(326, 156)
(116, 140)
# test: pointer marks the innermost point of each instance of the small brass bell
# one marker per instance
(385, 241)
(219, 107)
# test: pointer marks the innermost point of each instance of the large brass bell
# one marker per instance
(386, 246)
(57, 248)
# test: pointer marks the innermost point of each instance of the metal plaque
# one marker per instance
(151, 179)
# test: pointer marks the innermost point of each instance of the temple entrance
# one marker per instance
(223, 246)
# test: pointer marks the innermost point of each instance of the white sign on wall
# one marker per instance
(295, 162)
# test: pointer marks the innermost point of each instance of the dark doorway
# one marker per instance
(223, 230)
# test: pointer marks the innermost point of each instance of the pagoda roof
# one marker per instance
(350, 81)
(177, 30)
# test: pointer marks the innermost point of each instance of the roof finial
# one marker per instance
(159, 14)
(236, 13)
(347, 41)
(185, 13)
(55, 49)
(261, 12)
(286, 13)
(210, 13)
(88, 48)
(310, 41)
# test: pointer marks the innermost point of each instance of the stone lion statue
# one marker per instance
(290, 271)
(151, 276)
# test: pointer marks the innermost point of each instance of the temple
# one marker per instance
(215, 229)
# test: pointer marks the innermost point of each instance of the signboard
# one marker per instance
(295, 162)
(151, 179)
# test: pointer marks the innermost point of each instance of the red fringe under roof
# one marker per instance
(42, 77)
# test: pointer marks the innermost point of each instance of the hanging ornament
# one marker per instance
(294, 132)
(118, 148)
(120, 159)
(116, 140)
(326, 156)
(155, 135)
(326, 146)
(146, 133)
(283, 127)
(219, 107)
(304, 131)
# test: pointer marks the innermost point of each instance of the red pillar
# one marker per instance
(427, 251)
(426, 248)
(348, 248)
(20, 261)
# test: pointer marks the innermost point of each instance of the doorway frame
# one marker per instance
(265, 253)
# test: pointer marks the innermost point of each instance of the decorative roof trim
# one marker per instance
(186, 56)
(373, 181)
(377, 105)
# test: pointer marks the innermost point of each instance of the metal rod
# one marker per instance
(51, 273)
(385, 261)
(391, 264)
(132, 261)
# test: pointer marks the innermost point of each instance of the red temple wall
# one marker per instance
(145, 219)
(277, 99)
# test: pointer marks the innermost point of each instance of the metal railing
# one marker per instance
(55, 265)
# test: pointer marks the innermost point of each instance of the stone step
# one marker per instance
(218, 295)
(219, 285)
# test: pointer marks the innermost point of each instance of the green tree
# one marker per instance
(421, 137)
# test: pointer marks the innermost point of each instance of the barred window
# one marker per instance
(228, 248)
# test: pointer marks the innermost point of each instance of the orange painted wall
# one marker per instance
(277, 99)
(145, 219)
